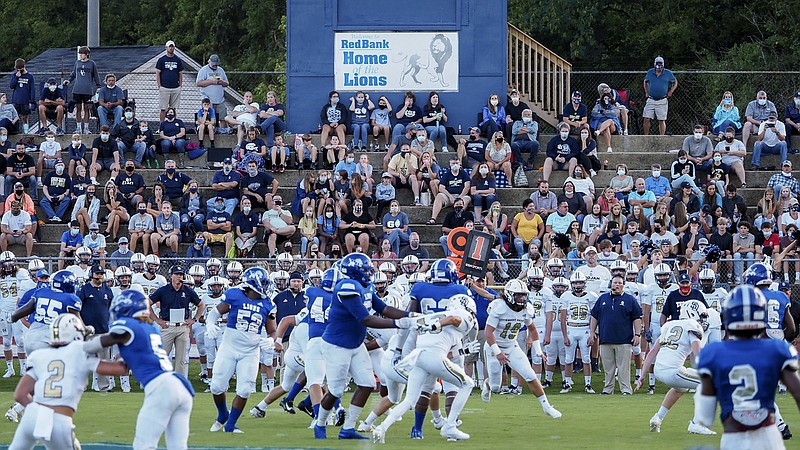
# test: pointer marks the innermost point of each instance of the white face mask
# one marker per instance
(484, 171)
(494, 102)
(76, 144)
(698, 136)
(762, 101)
(656, 173)
(50, 138)
(620, 172)
(717, 159)
(682, 160)
(564, 134)
(394, 210)
(328, 214)
(309, 213)
(323, 179)
(52, 88)
(584, 135)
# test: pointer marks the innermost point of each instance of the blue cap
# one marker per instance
(227, 160)
(42, 273)
(684, 278)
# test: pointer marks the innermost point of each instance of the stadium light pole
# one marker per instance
(93, 23)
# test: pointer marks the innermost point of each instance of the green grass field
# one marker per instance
(589, 421)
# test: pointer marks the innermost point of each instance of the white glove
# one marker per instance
(470, 348)
(212, 330)
(405, 323)
(89, 330)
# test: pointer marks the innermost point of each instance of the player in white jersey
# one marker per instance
(653, 300)
(538, 297)
(195, 278)
(408, 267)
(636, 290)
(598, 277)
(52, 387)
(82, 269)
(430, 358)
(217, 286)
(574, 319)
(124, 277)
(679, 339)
(150, 280)
(234, 273)
(11, 280)
(555, 268)
(553, 339)
(506, 317)
(715, 298)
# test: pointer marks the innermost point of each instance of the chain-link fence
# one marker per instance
(697, 95)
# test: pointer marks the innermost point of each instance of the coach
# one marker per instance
(617, 322)
(676, 298)
(174, 316)
(96, 298)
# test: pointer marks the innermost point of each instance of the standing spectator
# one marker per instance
(225, 184)
(174, 183)
(733, 152)
(192, 210)
(724, 240)
(455, 184)
(659, 85)
(498, 156)
(726, 115)
(173, 133)
(757, 111)
(21, 169)
(524, 138)
(698, 147)
(784, 178)
(110, 99)
(174, 315)
(657, 184)
(271, 113)
(616, 323)
(125, 133)
(791, 117)
(96, 300)
(131, 186)
(205, 121)
(379, 120)
(70, 241)
(544, 201)
(56, 189)
(140, 227)
(562, 152)
(86, 78)
(456, 218)
(122, 256)
(87, 207)
(604, 88)
(744, 249)
(435, 119)
(493, 117)
(360, 108)
(526, 227)
(483, 190)
(384, 193)
(9, 119)
(23, 92)
(16, 226)
(219, 226)
(169, 79)
(51, 100)
(683, 171)
(212, 81)
(605, 118)
(105, 155)
(245, 223)
(395, 226)
(771, 140)
(333, 118)
(575, 113)
(473, 150)
(259, 186)
(278, 224)
(167, 229)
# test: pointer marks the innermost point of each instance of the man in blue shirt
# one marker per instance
(226, 184)
(617, 323)
(55, 189)
(131, 185)
(454, 184)
(259, 186)
(290, 301)
(659, 84)
(23, 91)
(175, 183)
(244, 225)
(672, 305)
(110, 99)
(658, 185)
(561, 154)
(169, 79)
(96, 298)
(642, 197)
(575, 113)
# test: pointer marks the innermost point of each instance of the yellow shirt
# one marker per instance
(528, 229)
(402, 165)
(308, 226)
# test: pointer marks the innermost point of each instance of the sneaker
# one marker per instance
(696, 428)
(257, 412)
(86, 129)
(379, 435)
(588, 389)
(351, 433)
(320, 432)
(625, 132)
(77, 130)
(609, 150)
(438, 423)
(364, 428)
(486, 391)
(306, 409)
(651, 390)
(287, 406)
(546, 384)
(415, 433)
(9, 373)
(565, 388)
(12, 415)
(552, 412)
(41, 132)
(235, 431)
(655, 424)
(59, 132)
(95, 182)
(504, 390)
(452, 433)
(592, 172)
(217, 426)
(386, 147)
(517, 390)
(782, 390)
(125, 385)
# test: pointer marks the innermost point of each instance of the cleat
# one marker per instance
(565, 388)
(12, 416)
(9, 373)
(546, 384)
(340, 415)
(452, 433)
(287, 406)
(217, 426)
(786, 433)
(306, 409)
(364, 428)
(235, 431)
(486, 392)
(379, 435)
(651, 390)
(438, 424)
(351, 434)
(504, 390)
(589, 389)
(517, 390)
(552, 412)
(655, 424)
(415, 433)
(696, 428)
(125, 385)
(320, 432)
(782, 390)
(257, 412)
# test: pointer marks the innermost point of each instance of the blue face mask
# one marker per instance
(198, 242)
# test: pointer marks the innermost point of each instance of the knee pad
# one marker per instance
(217, 387)
(6, 345)
(245, 389)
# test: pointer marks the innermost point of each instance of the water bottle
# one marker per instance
(459, 128)
(319, 128)
(25, 128)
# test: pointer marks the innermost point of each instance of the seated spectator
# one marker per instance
(243, 116)
(784, 178)
(399, 140)
(252, 148)
(278, 225)
(791, 258)
(605, 118)
(333, 117)
(483, 189)
(335, 152)
(360, 108)
(403, 169)
(577, 205)
(258, 186)
(767, 238)
(683, 171)
(131, 186)
(314, 259)
(606, 200)
(562, 152)
(454, 184)
(77, 154)
(514, 108)
(70, 241)
(632, 234)
(327, 227)
(105, 155)
(173, 133)
(359, 189)
(110, 99)
(56, 187)
(594, 224)
(9, 118)
(557, 222)
(612, 234)
(347, 164)
(205, 121)
(434, 120)
(661, 212)
(791, 117)
(428, 174)
(784, 201)
(473, 150)
(766, 205)
(305, 194)
(496, 221)
(456, 218)
(145, 137)
(733, 152)
(96, 243)
(219, 226)
(49, 153)
(117, 213)
(658, 185)
(524, 138)
(225, 183)
(271, 115)
(604, 88)
(384, 193)
(87, 208)
(306, 154)
(726, 115)
(790, 217)
(174, 183)
(732, 200)
(698, 148)
(28, 204)
(342, 188)
(16, 227)
(422, 145)
(771, 140)
(380, 123)
(193, 210)
(710, 197)
(167, 229)
(357, 225)
(125, 133)
(384, 252)
(744, 250)
(395, 226)
(498, 155)
(617, 214)
(364, 169)
(51, 101)
(757, 111)
(279, 147)
(587, 157)
(544, 201)
(583, 185)
(494, 117)
(690, 240)
(575, 234)
(642, 197)
(409, 113)
(575, 113)
(718, 172)
(21, 169)
(415, 249)
(308, 229)
(199, 251)
(140, 226)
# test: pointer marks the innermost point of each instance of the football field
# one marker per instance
(508, 421)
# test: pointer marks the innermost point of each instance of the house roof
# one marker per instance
(121, 59)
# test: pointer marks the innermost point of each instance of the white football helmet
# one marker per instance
(394, 301)
(535, 277)
(123, 271)
(152, 259)
(80, 252)
(516, 294)
(138, 262)
(285, 261)
(555, 267)
(281, 279)
(631, 268)
(34, 265)
(379, 277)
(693, 309)
(409, 264)
(387, 268)
(234, 270)
(462, 301)
(197, 270)
(67, 328)
(559, 285)
(213, 266)
(707, 279)
(415, 277)
(662, 273)
(315, 274)
(617, 265)
(578, 281)
(109, 276)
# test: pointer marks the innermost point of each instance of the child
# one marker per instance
(360, 106)
(273, 154)
(86, 78)
(50, 152)
(77, 154)
(341, 189)
(306, 154)
(145, 135)
(335, 151)
(206, 119)
(364, 168)
(381, 123)
(384, 193)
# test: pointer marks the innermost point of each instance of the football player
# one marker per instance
(635, 290)
(408, 266)
(574, 318)
(715, 298)
(554, 340)
(679, 339)
(652, 304)
(741, 374)
(11, 280)
(319, 301)
(197, 275)
(138, 263)
(213, 267)
(150, 280)
(82, 269)
(506, 317)
(555, 268)
(390, 270)
(314, 277)
(216, 286)
(123, 276)
(285, 262)
(234, 273)
(538, 297)
(168, 395)
(53, 385)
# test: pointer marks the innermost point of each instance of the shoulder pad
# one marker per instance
(497, 306)
(529, 309)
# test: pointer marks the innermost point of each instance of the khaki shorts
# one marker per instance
(448, 202)
(214, 238)
(656, 109)
(19, 239)
(169, 98)
(245, 245)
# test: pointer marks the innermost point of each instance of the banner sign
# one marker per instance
(416, 61)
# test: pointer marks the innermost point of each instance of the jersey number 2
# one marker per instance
(743, 396)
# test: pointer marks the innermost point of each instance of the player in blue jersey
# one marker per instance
(741, 374)
(343, 340)
(168, 395)
(249, 310)
(41, 279)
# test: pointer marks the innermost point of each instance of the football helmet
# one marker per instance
(535, 278)
(234, 270)
(329, 279)
(618, 267)
(152, 262)
(34, 265)
(67, 328)
(109, 276)
(213, 266)
(758, 274)
(414, 278)
(745, 309)
(216, 284)
(315, 277)
(394, 301)
(662, 273)
(257, 279)
(380, 281)
(83, 256)
(197, 270)
(357, 266)
(630, 268)
(137, 262)
(64, 281)
(559, 285)
(444, 271)
(555, 267)
(129, 303)
(281, 279)
(121, 273)
(693, 309)
(409, 264)
(463, 301)
(578, 281)
(285, 261)
(707, 279)
(516, 294)
(388, 269)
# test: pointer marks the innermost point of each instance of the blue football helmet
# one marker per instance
(257, 279)
(745, 309)
(129, 303)
(64, 281)
(329, 279)
(358, 267)
(444, 271)
(758, 274)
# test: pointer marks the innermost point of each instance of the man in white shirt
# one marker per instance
(243, 116)
(16, 228)
(771, 140)
(597, 276)
(277, 224)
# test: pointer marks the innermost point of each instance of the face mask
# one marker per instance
(621, 172)
(219, 208)
(104, 137)
(246, 209)
(227, 169)
(458, 209)
(171, 170)
(568, 191)
(329, 214)
(381, 106)
(129, 169)
(728, 139)
(527, 119)
(59, 169)
(394, 210)
(360, 99)
(143, 130)
(698, 136)
(615, 232)
(515, 100)
(19, 191)
(455, 168)
(657, 229)
(576, 100)
(73, 231)
(797, 102)
(564, 134)
(89, 194)
(323, 179)
(128, 115)
(718, 159)
(659, 66)
(50, 138)
(252, 172)
(142, 210)
(334, 100)
(93, 233)
(727, 101)
(170, 116)
(794, 209)
(584, 135)
(421, 138)
(350, 160)
(682, 160)
(3, 138)
(309, 214)
(499, 140)
(193, 190)
(494, 102)
(52, 88)
(484, 171)
(762, 102)
(199, 242)
(767, 234)
(656, 173)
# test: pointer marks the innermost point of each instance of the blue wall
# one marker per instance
(311, 25)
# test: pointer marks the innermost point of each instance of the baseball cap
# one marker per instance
(411, 126)
(590, 248)
(122, 240)
(219, 199)
(474, 129)
(694, 219)
(786, 163)
(213, 59)
(98, 269)
(94, 226)
(658, 60)
(178, 269)
(18, 184)
(170, 43)
(42, 273)
(797, 94)
(635, 242)
(684, 278)
(227, 160)
(386, 175)
(52, 80)
(128, 108)
(576, 93)
(296, 276)
(686, 184)
(702, 241)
